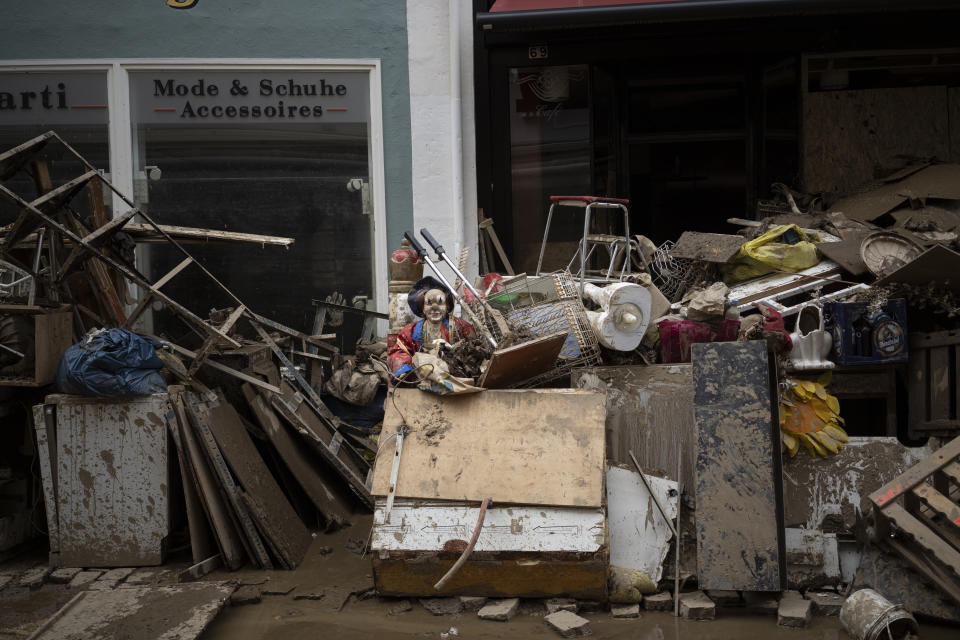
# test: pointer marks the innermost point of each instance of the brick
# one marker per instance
(568, 624)
(84, 578)
(724, 598)
(118, 575)
(473, 603)
(500, 610)
(103, 585)
(442, 606)
(402, 606)
(697, 606)
(794, 612)
(64, 575)
(34, 578)
(825, 603)
(625, 610)
(561, 604)
(760, 603)
(662, 601)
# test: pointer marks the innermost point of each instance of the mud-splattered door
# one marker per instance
(112, 490)
(740, 543)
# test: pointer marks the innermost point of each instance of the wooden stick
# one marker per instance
(676, 555)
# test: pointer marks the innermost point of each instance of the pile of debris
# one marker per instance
(626, 433)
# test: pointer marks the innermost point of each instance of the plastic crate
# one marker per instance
(861, 338)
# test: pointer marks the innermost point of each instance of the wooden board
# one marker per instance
(513, 365)
(201, 542)
(218, 512)
(273, 513)
(324, 495)
(848, 134)
(739, 520)
(228, 487)
(649, 411)
(526, 446)
(179, 611)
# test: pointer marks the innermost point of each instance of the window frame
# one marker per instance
(120, 138)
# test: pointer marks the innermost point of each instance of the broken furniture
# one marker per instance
(917, 515)
(537, 453)
(43, 333)
(619, 248)
(103, 466)
(740, 544)
(933, 385)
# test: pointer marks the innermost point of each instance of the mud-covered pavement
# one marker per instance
(340, 573)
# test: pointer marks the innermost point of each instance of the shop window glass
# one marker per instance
(549, 155)
(74, 104)
(276, 153)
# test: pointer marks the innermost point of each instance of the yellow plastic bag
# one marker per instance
(767, 253)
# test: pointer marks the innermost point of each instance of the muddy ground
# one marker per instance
(337, 614)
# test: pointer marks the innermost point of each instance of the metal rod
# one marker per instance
(443, 256)
(656, 500)
(676, 555)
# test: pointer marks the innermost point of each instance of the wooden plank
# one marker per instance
(917, 473)
(253, 543)
(324, 496)
(54, 332)
(170, 275)
(44, 424)
(12, 160)
(201, 540)
(540, 446)
(417, 526)
(225, 369)
(942, 505)
(922, 564)
(329, 443)
(922, 536)
(939, 382)
(214, 503)
(935, 339)
(272, 511)
(739, 503)
(146, 232)
(649, 411)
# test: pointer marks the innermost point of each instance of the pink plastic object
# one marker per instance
(676, 336)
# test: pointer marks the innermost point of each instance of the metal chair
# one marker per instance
(616, 246)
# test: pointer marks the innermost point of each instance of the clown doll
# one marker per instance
(432, 303)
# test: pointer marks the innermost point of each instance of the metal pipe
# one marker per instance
(466, 552)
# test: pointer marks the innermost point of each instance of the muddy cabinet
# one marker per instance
(104, 470)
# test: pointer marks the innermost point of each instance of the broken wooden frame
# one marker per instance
(918, 516)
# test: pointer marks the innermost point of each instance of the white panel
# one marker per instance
(427, 526)
(639, 536)
(112, 489)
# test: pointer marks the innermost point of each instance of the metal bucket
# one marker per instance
(866, 615)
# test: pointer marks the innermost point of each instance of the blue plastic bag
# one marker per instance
(111, 363)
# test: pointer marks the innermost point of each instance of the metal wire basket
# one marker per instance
(547, 305)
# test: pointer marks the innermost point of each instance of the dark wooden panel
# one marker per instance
(738, 473)
(276, 518)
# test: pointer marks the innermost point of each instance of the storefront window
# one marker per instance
(74, 104)
(550, 155)
(275, 153)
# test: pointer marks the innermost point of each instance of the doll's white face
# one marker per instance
(435, 305)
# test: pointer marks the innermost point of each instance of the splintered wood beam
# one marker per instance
(146, 233)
